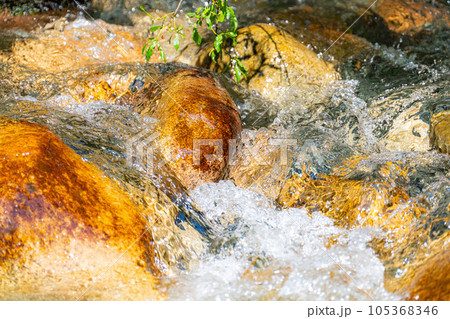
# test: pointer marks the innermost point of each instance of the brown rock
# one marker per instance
(428, 278)
(196, 117)
(351, 203)
(82, 43)
(322, 29)
(440, 131)
(431, 281)
(63, 223)
(409, 17)
(394, 21)
(275, 62)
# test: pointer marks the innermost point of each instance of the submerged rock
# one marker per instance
(428, 278)
(278, 66)
(81, 43)
(409, 132)
(431, 281)
(440, 131)
(352, 203)
(323, 30)
(64, 223)
(410, 17)
(198, 123)
(390, 21)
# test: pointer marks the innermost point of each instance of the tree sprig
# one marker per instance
(215, 13)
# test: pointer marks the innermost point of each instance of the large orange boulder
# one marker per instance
(198, 123)
(64, 224)
(431, 281)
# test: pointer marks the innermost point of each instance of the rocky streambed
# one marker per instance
(324, 175)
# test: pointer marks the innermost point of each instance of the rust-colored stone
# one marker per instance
(351, 203)
(431, 281)
(427, 278)
(196, 117)
(409, 17)
(61, 215)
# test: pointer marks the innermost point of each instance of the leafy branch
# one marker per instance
(215, 13)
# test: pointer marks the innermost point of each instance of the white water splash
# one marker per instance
(287, 250)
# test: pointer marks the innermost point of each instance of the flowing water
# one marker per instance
(237, 244)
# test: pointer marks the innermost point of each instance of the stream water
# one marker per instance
(256, 250)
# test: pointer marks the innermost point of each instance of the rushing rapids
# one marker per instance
(331, 190)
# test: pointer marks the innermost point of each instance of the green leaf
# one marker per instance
(228, 13)
(176, 42)
(233, 23)
(155, 28)
(237, 73)
(218, 42)
(149, 52)
(213, 55)
(221, 16)
(162, 55)
(145, 46)
(241, 67)
(196, 37)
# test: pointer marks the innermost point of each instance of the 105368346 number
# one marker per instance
(403, 310)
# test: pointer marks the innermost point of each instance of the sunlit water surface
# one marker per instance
(255, 250)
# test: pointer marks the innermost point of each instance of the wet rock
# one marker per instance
(112, 86)
(196, 121)
(57, 25)
(114, 11)
(323, 30)
(82, 43)
(401, 118)
(431, 281)
(410, 132)
(390, 20)
(63, 221)
(275, 63)
(13, 27)
(29, 7)
(352, 203)
(440, 131)
(427, 279)
(409, 17)
(263, 161)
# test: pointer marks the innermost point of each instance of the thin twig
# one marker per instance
(178, 8)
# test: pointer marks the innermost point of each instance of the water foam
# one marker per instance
(278, 254)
